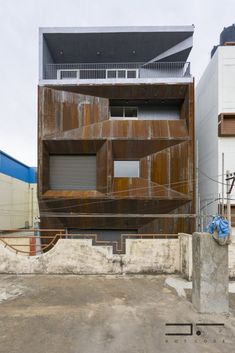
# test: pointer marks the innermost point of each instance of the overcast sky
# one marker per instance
(19, 23)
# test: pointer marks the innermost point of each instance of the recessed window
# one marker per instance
(126, 169)
(72, 172)
(124, 112)
(116, 112)
(130, 112)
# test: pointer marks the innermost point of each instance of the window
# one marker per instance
(124, 112)
(73, 172)
(111, 73)
(121, 73)
(126, 169)
(131, 73)
(130, 112)
(116, 112)
(67, 74)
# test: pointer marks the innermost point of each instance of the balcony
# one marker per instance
(116, 72)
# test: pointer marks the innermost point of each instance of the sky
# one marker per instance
(19, 23)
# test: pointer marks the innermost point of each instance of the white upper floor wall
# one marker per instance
(215, 94)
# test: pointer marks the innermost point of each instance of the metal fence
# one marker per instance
(116, 71)
(31, 242)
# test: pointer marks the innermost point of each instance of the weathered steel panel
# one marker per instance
(135, 91)
(64, 111)
(76, 121)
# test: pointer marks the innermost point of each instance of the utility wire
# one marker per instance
(179, 183)
(116, 192)
(93, 202)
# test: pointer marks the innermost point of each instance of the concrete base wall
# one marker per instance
(78, 256)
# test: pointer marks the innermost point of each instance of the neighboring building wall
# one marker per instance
(207, 135)
(22, 244)
(18, 190)
(226, 104)
(226, 55)
(215, 95)
(227, 146)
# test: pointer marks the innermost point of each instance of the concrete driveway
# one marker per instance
(113, 314)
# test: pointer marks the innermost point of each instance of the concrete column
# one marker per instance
(210, 275)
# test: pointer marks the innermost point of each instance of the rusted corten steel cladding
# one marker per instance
(74, 120)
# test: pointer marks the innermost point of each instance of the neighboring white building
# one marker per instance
(215, 123)
(18, 194)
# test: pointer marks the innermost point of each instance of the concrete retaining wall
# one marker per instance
(78, 256)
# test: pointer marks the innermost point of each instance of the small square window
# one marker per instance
(111, 73)
(131, 73)
(124, 112)
(126, 169)
(64, 74)
(116, 112)
(121, 73)
(130, 112)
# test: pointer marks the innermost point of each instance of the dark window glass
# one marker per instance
(116, 112)
(130, 112)
(131, 74)
(68, 74)
(111, 73)
(121, 73)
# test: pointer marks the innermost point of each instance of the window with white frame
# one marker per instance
(117, 112)
(121, 73)
(126, 169)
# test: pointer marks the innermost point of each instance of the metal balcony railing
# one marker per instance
(116, 71)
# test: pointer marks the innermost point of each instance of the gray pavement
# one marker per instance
(115, 314)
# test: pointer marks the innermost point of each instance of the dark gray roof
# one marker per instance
(116, 44)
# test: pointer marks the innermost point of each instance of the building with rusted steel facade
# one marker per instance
(116, 131)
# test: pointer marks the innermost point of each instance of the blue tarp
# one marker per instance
(220, 224)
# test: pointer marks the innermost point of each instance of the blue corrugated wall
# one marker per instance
(12, 167)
